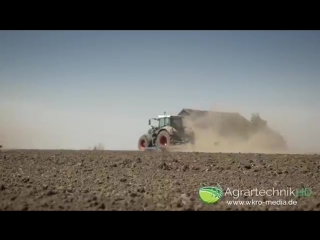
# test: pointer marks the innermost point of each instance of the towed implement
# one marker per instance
(169, 131)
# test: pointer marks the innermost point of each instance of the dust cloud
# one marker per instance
(295, 132)
(39, 127)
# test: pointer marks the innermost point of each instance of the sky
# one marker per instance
(75, 89)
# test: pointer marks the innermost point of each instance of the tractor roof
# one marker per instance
(163, 116)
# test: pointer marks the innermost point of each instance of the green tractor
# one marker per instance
(168, 131)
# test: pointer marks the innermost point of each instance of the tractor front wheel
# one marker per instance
(142, 143)
(163, 139)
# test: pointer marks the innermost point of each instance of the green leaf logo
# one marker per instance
(210, 194)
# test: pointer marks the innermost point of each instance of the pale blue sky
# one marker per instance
(73, 89)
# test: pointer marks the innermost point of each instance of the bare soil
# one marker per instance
(120, 180)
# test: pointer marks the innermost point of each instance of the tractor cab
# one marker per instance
(168, 120)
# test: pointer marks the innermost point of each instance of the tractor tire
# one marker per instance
(163, 139)
(143, 143)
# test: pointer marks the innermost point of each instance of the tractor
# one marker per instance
(169, 131)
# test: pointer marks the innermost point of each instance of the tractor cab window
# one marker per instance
(161, 122)
(167, 121)
(164, 122)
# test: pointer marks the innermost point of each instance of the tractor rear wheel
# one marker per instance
(163, 139)
(143, 143)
